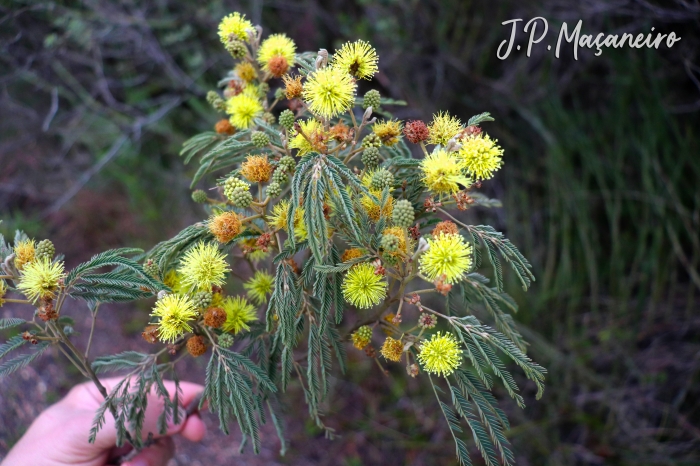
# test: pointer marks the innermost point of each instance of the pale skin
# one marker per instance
(59, 436)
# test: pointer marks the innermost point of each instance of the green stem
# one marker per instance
(18, 301)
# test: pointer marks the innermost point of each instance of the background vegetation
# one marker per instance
(599, 191)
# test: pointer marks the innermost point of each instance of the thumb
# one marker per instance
(157, 454)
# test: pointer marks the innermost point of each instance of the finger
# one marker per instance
(194, 428)
(157, 454)
(86, 397)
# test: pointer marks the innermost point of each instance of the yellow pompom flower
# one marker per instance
(277, 45)
(440, 355)
(243, 109)
(25, 252)
(481, 156)
(392, 349)
(278, 219)
(234, 25)
(373, 209)
(246, 71)
(202, 267)
(313, 131)
(358, 59)
(388, 131)
(173, 280)
(239, 312)
(447, 255)
(329, 91)
(175, 311)
(443, 128)
(362, 287)
(442, 172)
(40, 279)
(259, 287)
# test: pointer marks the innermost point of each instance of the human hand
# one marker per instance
(59, 436)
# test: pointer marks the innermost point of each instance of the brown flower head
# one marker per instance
(215, 317)
(234, 88)
(341, 132)
(292, 86)
(447, 227)
(470, 131)
(196, 346)
(257, 169)
(150, 334)
(225, 226)
(224, 127)
(278, 66)
(416, 131)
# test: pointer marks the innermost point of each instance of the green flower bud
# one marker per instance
(403, 214)
(260, 139)
(372, 99)
(381, 179)
(286, 119)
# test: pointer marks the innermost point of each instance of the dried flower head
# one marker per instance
(150, 334)
(243, 109)
(40, 279)
(388, 131)
(202, 267)
(329, 91)
(341, 132)
(350, 254)
(481, 156)
(362, 287)
(443, 128)
(224, 126)
(239, 313)
(174, 311)
(276, 54)
(442, 172)
(214, 317)
(257, 169)
(440, 355)
(196, 346)
(416, 131)
(292, 86)
(392, 349)
(25, 253)
(259, 287)
(225, 226)
(448, 255)
(447, 227)
(358, 59)
(234, 26)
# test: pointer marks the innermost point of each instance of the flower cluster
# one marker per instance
(329, 216)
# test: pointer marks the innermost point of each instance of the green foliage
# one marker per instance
(127, 282)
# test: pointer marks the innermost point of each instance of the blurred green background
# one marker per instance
(599, 190)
